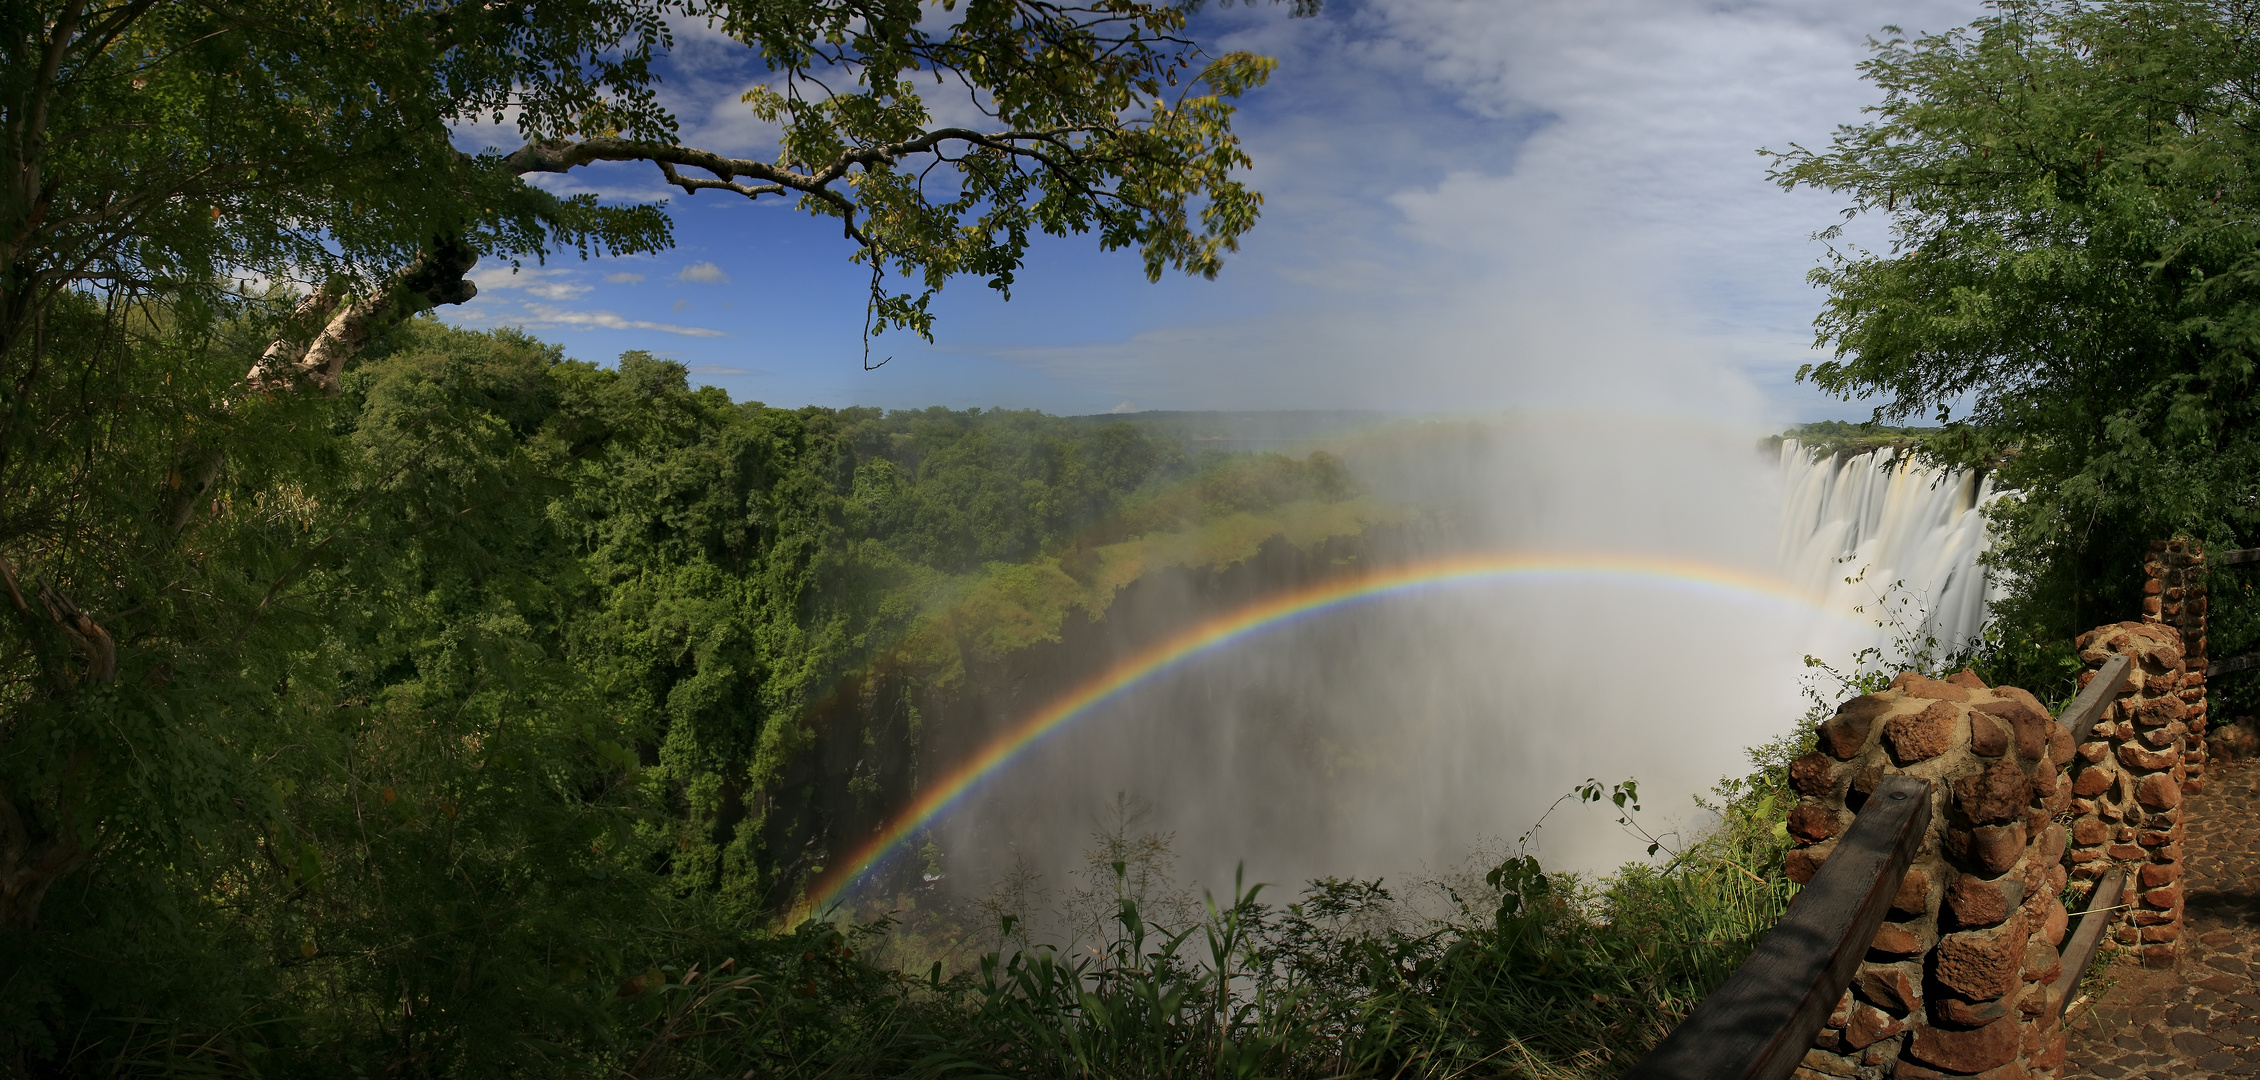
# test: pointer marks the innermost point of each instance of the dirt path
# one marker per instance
(2201, 1018)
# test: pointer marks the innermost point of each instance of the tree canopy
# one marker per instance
(312, 662)
(2069, 282)
(181, 148)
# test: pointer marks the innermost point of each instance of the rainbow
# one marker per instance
(1223, 631)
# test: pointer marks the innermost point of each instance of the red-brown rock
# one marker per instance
(2158, 791)
(2091, 782)
(2164, 897)
(2042, 962)
(1981, 965)
(1989, 849)
(1892, 939)
(2054, 922)
(1916, 686)
(1996, 795)
(1846, 733)
(1921, 736)
(1954, 1012)
(2089, 832)
(1811, 820)
(2053, 840)
(1967, 680)
(1966, 1051)
(1812, 774)
(1913, 897)
(2032, 734)
(1868, 1025)
(2022, 697)
(2061, 750)
(1802, 863)
(2153, 875)
(1988, 738)
(2051, 1053)
(1973, 902)
(1887, 986)
(2133, 756)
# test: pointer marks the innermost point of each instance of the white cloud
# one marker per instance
(543, 315)
(703, 272)
(1498, 204)
(549, 283)
(623, 278)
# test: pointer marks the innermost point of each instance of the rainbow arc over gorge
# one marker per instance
(1220, 632)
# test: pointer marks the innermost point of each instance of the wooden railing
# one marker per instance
(1760, 1022)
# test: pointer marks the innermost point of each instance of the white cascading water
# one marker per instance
(1909, 537)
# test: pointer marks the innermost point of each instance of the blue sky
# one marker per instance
(1472, 206)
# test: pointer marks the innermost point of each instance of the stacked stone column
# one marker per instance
(1956, 983)
(2127, 785)
(2174, 588)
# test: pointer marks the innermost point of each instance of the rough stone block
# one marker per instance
(1966, 1051)
(1812, 820)
(2153, 875)
(1989, 849)
(1801, 864)
(1846, 733)
(2091, 782)
(1954, 1012)
(2088, 832)
(1868, 1025)
(1887, 986)
(2042, 962)
(2054, 922)
(1981, 965)
(1988, 738)
(1995, 795)
(1913, 897)
(1917, 686)
(1973, 902)
(1895, 939)
(2158, 792)
(1824, 1063)
(1921, 736)
(2134, 756)
(2031, 730)
(1813, 774)
(2022, 697)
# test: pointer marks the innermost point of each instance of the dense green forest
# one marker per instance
(480, 701)
(378, 698)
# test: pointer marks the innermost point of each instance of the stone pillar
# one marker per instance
(2127, 786)
(1956, 981)
(2174, 589)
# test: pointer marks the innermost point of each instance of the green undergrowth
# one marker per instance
(1505, 969)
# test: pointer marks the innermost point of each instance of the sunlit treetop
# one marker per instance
(165, 147)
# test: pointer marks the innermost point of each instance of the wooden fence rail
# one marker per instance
(1760, 1022)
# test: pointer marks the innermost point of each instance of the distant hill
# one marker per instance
(1283, 431)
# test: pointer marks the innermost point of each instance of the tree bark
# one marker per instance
(435, 278)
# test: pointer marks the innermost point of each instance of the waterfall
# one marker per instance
(1909, 535)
